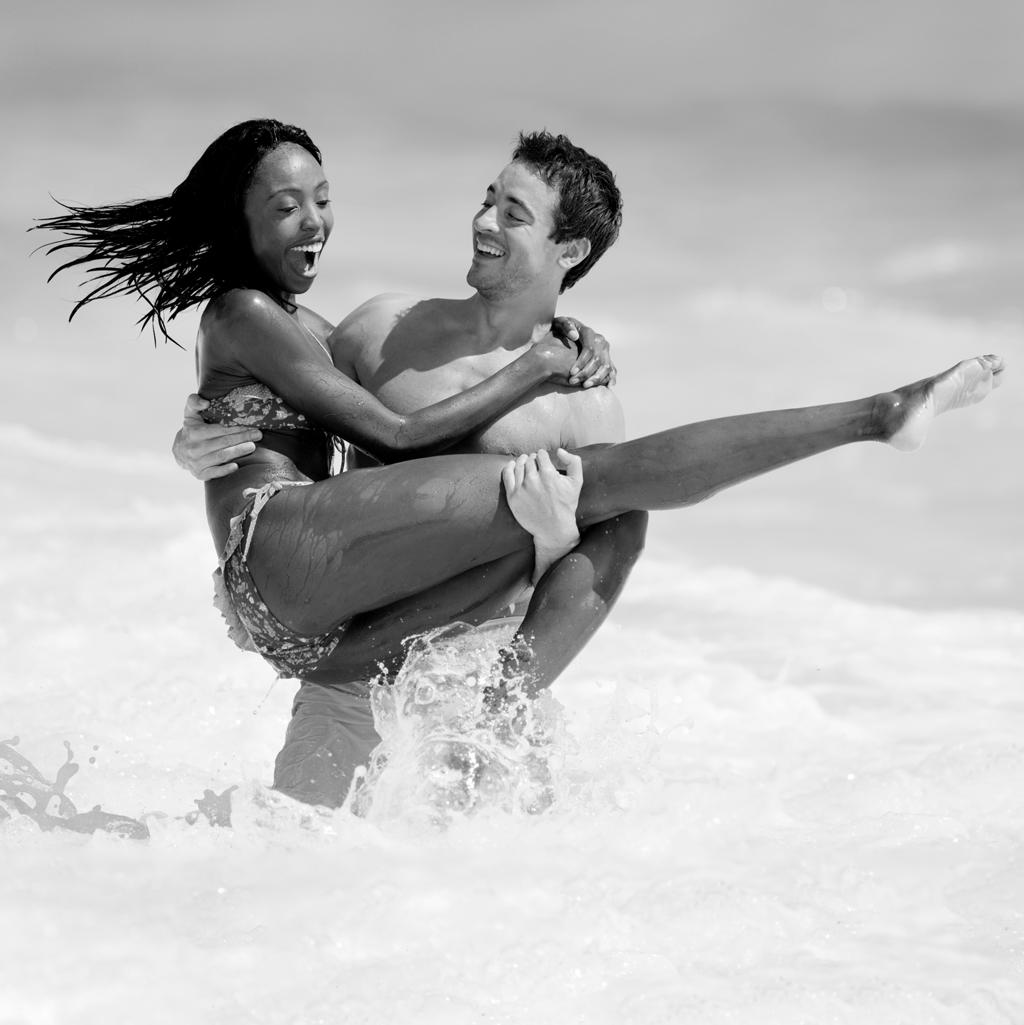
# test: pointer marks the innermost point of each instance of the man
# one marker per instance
(547, 218)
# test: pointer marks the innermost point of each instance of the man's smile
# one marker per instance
(484, 247)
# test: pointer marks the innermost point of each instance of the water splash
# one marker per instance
(456, 736)
(25, 791)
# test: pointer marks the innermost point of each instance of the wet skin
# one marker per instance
(378, 541)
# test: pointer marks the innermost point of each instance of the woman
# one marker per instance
(244, 232)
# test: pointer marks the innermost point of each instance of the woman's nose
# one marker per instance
(312, 218)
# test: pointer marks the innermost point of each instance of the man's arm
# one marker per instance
(573, 600)
(573, 597)
(210, 450)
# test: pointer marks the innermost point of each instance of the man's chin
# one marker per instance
(488, 285)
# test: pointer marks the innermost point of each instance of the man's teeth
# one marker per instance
(311, 247)
(483, 247)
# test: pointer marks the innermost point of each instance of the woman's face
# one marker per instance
(289, 216)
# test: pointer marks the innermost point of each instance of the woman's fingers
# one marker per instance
(566, 328)
(594, 362)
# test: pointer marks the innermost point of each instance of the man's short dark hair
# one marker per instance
(589, 203)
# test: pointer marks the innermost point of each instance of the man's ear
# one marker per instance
(574, 253)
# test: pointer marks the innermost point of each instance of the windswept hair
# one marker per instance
(179, 250)
(589, 205)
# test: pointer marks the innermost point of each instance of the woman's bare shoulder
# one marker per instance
(239, 304)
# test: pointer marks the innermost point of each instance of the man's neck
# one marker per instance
(509, 323)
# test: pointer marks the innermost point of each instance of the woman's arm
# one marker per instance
(252, 334)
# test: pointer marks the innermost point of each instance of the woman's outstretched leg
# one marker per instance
(363, 540)
(686, 465)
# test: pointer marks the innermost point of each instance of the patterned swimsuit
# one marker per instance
(251, 624)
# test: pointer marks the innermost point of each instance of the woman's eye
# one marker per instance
(323, 203)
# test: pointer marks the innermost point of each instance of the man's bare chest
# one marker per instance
(535, 421)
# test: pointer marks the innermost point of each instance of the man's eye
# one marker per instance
(287, 209)
(323, 203)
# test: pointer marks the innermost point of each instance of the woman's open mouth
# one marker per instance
(309, 254)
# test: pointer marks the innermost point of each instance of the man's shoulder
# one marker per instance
(603, 419)
(368, 326)
(379, 313)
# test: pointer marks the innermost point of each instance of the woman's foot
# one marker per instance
(906, 414)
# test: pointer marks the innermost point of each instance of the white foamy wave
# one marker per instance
(773, 803)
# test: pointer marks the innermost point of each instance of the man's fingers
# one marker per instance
(211, 439)
(508, 476)
(215, 431)
(229, 452)
(218, 471)
(193, 404)
(232, 434)
(529, 469)
(544, 461)
(520, 469)
(571, 464)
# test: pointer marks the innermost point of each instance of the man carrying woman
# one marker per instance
(324, 574)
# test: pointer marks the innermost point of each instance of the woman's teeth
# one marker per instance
(311, 255)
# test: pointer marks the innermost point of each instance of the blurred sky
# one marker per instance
(822, 199)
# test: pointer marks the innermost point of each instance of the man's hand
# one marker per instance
(543, 501)
(593, 364)
(209, 450)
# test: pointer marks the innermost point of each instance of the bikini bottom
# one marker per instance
(251, 624)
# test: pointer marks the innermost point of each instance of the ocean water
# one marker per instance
(787, 774)
(774, 804)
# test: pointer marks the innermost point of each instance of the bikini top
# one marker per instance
(255, 405)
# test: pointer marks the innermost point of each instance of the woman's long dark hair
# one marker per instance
(182, 249)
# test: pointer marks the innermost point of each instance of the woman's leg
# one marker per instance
(686, 465)
(375, 640)
(371, 537)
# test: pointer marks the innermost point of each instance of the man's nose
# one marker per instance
(486, 220)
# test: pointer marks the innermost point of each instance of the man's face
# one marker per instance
(512, 247)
